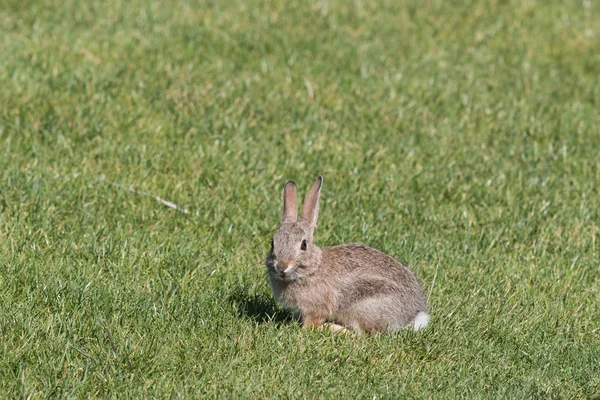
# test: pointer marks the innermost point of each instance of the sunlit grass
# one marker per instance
(460, 137)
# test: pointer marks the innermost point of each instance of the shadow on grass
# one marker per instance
(258, 307)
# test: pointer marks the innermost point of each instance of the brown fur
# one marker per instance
(352, 285)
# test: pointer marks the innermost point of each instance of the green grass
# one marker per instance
(460, 137)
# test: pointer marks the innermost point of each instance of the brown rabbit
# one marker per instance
(352, 285)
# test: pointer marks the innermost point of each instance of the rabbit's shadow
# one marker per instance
(259, 307)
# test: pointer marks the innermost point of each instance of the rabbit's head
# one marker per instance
(293, 254)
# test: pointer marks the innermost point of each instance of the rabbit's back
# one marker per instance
(372, 289)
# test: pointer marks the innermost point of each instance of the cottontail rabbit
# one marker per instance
(351, 285)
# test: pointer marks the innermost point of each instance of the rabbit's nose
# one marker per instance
(283, 266)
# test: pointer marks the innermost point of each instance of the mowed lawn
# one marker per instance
(462, 138)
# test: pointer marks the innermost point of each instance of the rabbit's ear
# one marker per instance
(290, 204)
(310, 208)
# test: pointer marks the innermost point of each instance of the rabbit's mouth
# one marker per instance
(287, 277)
(290, 278)
(284, 276)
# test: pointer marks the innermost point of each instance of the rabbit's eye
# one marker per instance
(303, 245)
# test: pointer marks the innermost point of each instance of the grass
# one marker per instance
(460, 137)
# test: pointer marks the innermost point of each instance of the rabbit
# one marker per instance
(351, 285)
